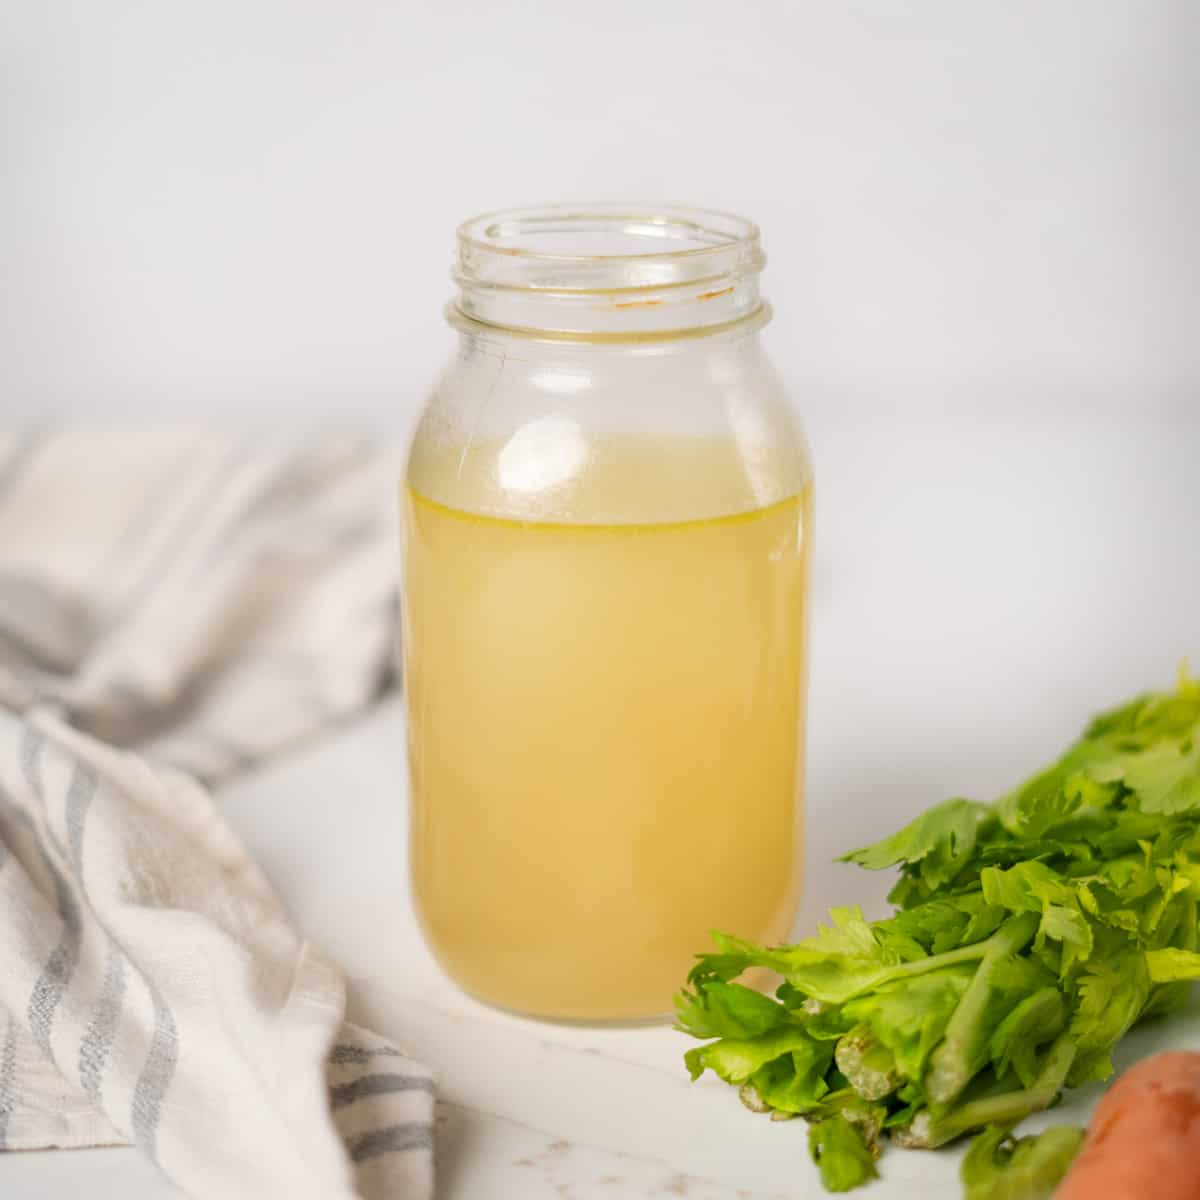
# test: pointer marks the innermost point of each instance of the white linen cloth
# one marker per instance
(173, 607)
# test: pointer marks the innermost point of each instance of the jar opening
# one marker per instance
(604, 270)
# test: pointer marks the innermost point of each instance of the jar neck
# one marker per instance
(604, 273)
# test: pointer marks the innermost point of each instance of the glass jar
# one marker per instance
(607, 520)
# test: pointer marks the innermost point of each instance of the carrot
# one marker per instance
(1144, 1139)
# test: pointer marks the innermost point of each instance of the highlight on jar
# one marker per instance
(607, 534)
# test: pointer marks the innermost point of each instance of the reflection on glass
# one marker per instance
(541, 455)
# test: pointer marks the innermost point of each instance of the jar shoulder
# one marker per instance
(562, 433)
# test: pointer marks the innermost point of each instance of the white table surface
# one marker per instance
(980, 587)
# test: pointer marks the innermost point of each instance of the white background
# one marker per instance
(245, 208)
(980, 218)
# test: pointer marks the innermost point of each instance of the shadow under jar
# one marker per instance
(607, 534)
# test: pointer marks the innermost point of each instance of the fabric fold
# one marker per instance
(215, 603)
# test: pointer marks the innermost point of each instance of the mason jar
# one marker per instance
(607, 535)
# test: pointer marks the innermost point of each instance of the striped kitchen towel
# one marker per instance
(174, 606)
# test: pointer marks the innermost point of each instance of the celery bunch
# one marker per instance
(1030, 934)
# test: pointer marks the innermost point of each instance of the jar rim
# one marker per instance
(592, 270)
(716, 230)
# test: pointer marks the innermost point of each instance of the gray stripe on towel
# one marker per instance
(156, 1075)
(377, 1085)
(344, 1053)
(8, 1068)
(412, 1135)
(29, 752)
(48, 991)
(98, 1037)
(79, 800)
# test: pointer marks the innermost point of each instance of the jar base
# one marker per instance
(566, 1020)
